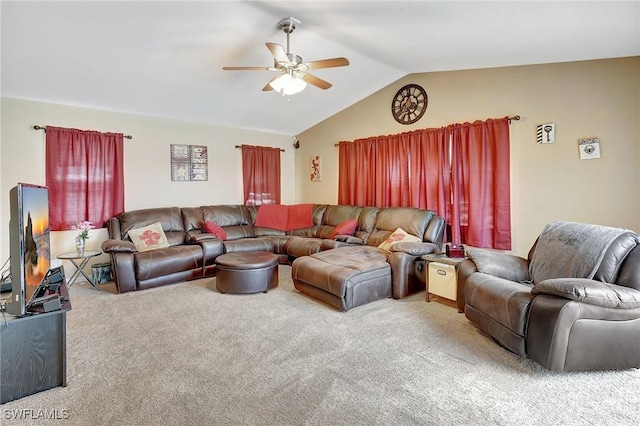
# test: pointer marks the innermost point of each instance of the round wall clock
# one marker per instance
(409, 104)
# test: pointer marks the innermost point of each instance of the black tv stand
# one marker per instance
(33, 352)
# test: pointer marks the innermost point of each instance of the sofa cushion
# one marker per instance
(348, 227)
(285, 217)
(239, 231)
(149, 237)
(212, 228)
(272, 216)
(388, 219)
(571, 250)
(169, 217)
(500, 264)
(302, 246)
(630, 272)
(248, 244)
(227, 215)
(344, 266)
(615, 256)
(415, 248)
(398, 236)
(591, 292)
(167, 261)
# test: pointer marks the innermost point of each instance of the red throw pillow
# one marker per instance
(348, 227)
(212, 228)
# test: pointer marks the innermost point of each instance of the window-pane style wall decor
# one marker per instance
(189, 162)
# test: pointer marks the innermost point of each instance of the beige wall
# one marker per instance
(147, 160)
(549, 181)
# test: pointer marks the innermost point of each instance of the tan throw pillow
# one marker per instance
(150, 237)
(399, 235)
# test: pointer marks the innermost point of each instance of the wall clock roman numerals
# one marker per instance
(409, 104)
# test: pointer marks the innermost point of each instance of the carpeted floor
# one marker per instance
(187, 355)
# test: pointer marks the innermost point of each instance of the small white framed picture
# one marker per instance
(589, 148)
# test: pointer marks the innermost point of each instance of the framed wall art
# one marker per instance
(189, 163)
(316, 175)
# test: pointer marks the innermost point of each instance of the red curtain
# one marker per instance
(404, 170)
(480, 187)
(261, 175)
(374, 173)
(85, 176)
(460, 171)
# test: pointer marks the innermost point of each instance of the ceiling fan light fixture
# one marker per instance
(288, 85)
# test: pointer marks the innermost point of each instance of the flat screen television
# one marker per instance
(28, 243)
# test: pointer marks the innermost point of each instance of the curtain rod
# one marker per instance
(36, 127)
(515, 118)
(240, 146)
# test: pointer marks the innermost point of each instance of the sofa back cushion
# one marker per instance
(615, 256)
(630, 271)
(366, 222)
(310, 232)
(192, 218)
(169, 217)
(334, 216)
(413, 221)
(235, 220)
(580, 250)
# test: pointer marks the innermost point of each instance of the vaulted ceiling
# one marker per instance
(165, 59)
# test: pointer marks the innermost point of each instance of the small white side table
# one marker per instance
(442, 275)
(74, 258)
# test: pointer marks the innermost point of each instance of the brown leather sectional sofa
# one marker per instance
(191, 253)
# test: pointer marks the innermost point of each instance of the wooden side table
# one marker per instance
(442, 275)
(74, 258)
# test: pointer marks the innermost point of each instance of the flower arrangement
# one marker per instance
(83, 228)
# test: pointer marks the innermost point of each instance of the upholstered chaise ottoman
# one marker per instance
(344, 277)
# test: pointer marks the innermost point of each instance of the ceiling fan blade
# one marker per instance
(327, 63)
(318, 82)
(278, 52)
(268, 86)
(249, 69)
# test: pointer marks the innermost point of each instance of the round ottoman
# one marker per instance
(250, 272)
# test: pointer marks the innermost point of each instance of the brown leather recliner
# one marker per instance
(573, 304)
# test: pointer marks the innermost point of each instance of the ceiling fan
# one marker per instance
(293, 76)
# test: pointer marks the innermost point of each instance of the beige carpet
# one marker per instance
(187, 355)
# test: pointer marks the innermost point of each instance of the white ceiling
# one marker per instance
(165, 59)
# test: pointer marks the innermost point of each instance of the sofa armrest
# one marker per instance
(591, 292)
(501, 265)
(211, 248)
(118, 246)
(122, 255)
(197, 238)
(415, 249)
(349, 239)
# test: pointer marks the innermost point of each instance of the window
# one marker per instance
(261, 175)
(85, 176)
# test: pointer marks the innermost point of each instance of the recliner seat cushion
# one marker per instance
(166, 261)
(302, 246)
(248, 244)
